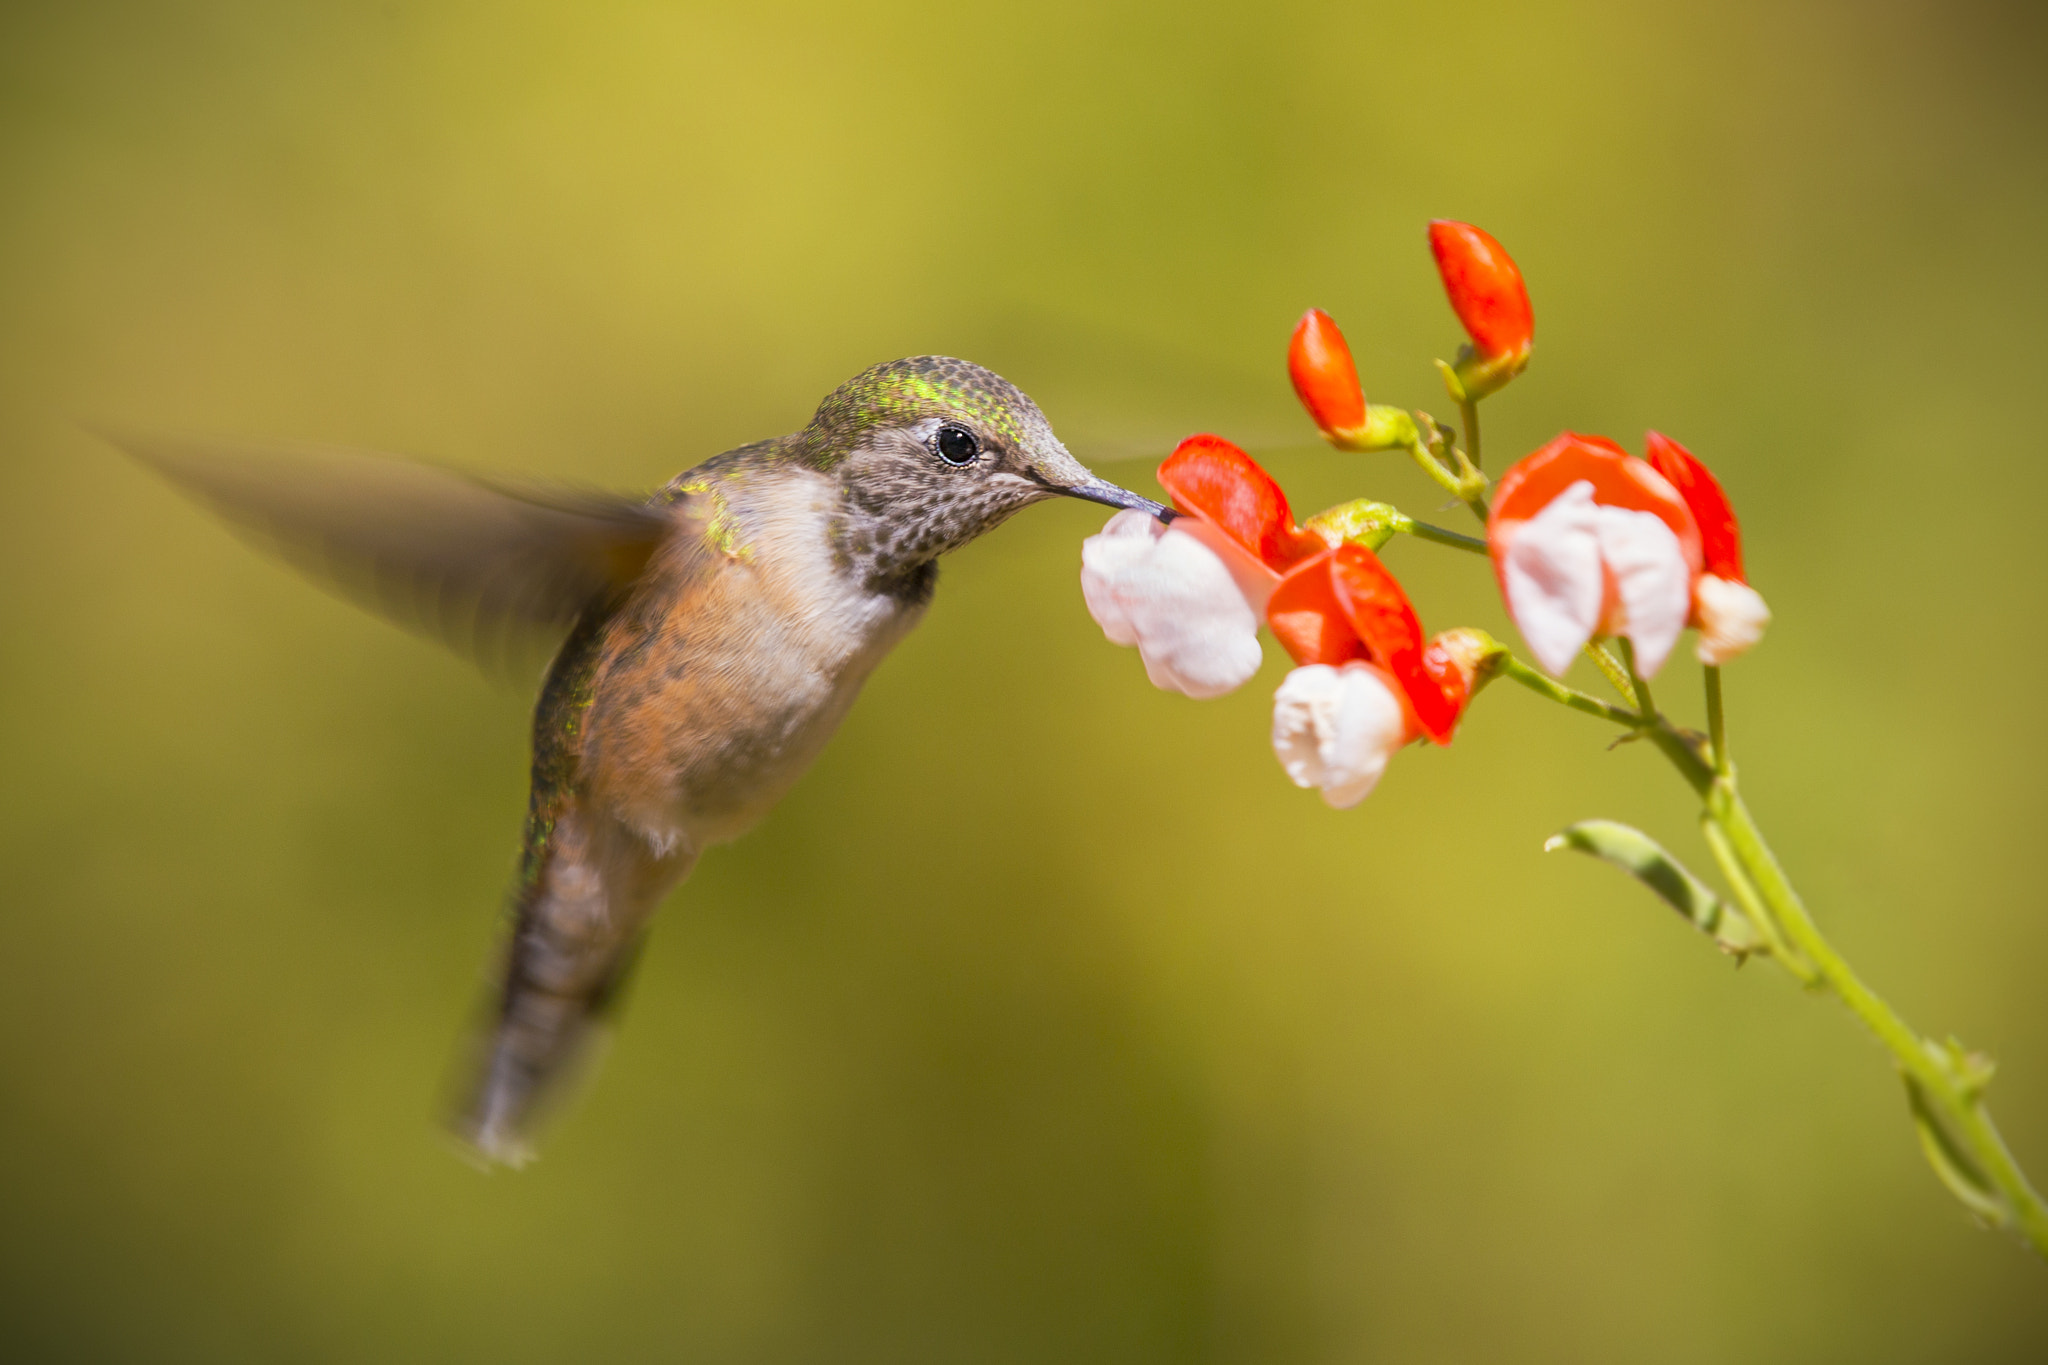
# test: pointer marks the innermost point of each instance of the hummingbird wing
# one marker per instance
(473, 561)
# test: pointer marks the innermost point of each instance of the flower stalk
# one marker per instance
(1945, 1083)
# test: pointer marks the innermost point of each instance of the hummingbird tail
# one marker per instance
(579, 920)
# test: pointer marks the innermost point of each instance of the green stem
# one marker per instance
(1944, 1087)
(1434, 467)
(1753, 907)
(1468, 412)
(1422, 530)
(1612, 670)
(1638, 686)
(1717, 726)
(1543, 685)
(1944, 1091)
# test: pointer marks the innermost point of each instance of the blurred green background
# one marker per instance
(1046, 1021)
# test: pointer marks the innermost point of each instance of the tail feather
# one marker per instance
(579, 921)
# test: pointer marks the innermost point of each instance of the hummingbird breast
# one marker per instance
(724, 675)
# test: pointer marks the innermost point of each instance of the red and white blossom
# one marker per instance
(1173, 597)
(1346, 621)
(1590, 542)
(1190, 595)
(1335, 728)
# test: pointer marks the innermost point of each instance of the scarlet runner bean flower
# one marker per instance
(1190, 595)
(1729, 614)
(1491, 301)
(1591, 542)
(1172, 596)
(1368, 684)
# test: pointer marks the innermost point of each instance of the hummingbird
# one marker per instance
(712, 637)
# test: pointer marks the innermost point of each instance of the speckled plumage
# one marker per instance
(719, 631)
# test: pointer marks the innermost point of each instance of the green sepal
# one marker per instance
(1643, 858)
(1453, 385)
(1475, 376)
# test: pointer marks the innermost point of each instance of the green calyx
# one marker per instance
(1373, 524)
(1475, 375)
(1386, 427)
(1362, 522)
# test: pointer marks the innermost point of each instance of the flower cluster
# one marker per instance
(1191, 596)
(1588, 542)
(1595, 550)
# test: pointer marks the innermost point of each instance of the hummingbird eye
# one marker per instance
(955, 445)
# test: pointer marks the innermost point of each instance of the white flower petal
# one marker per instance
(1652, 580)
(1171, 596)
(1732, 618)
(1335, 728)
(1107, 557)
(1551, 571)
(1253, 578)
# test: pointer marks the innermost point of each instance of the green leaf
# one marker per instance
(1643, 858)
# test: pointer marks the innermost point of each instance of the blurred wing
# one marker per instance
(474, 563)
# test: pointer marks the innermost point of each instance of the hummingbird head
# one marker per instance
(930, 452)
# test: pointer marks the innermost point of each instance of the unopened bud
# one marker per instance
(1492, 303)
(1325, 377)
(1326, 380)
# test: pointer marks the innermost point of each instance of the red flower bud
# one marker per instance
(1720, 537)
(1486, 289)
(1212, 479)
(1325, 379)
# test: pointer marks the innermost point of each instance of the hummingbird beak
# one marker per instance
(1108, 494)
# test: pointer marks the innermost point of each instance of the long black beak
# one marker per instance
(1109, 495)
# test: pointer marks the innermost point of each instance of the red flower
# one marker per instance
(1485, 288)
